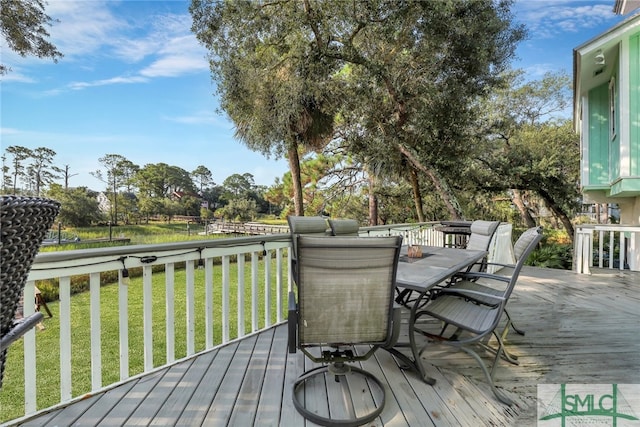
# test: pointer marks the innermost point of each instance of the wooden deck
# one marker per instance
(579, 329)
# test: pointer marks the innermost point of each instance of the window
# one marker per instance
(612, 109)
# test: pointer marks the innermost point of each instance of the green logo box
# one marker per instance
(565, 405)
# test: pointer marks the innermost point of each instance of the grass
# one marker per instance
(147, 234)
(47, 341)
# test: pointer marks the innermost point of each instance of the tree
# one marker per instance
(67, 175)
(42, 171)
(19, 155)
(23, 25)
(270, 79)
(528, 146)
(118, 173)
(237, 186)
(78, 206)
(401, 74)
(415, 70)
(239, 210)
(203, 178)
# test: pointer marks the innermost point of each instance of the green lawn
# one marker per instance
(48, 375)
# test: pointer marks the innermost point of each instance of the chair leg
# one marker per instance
(506, 355)
(513, 326)
(489, 376)
(339, 375)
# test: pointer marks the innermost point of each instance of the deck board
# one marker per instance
(579, 329)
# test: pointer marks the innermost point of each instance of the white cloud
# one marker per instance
(547, 19)
(9, 131)
(161, 44)
(84, 27)
(14, 75)
(105, 82)
(202, 117)
(174, 65)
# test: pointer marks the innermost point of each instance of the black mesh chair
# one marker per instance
(24, 223)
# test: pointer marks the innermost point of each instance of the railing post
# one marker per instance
(65, 339)
(96, 335)
(30, 377)
(123, 324)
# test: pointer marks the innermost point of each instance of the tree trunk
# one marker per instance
(373, 202)
(417, 197)
(441, 186)
(296, 180)
(524, 212)
(559, 212)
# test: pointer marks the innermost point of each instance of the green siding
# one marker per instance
(599, 136)
(634, 103)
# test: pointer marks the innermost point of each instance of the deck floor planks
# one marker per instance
(181, 396)
(157, 398)
(294, 367)
(205, 391)
(579, 329)
(118, 415)
(227, 394)
(253, 382)
(270, 403)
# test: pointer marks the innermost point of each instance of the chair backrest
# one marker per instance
(345, 289)
(481, 234)
(525, 244)
(307, 226)
(344, 227)
(24, 223)
(522, 247)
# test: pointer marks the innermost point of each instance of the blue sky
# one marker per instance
(134, 81)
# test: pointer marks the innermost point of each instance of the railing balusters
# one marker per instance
(96, 336)
(225, 299)
(191, 308)
(169, 306)
(147, 316)
(240, 305)
(30, 388)
(65, 339)
(254, 291)
(267, 288)
(123, 324)
(279, 284)
(92, 262)
(628, 256)
(208, 301)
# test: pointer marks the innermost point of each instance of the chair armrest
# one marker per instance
(472, 276)
(292, 322)
(19, 329)
(477, 297)
(396, 321)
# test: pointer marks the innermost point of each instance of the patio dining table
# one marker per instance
(420, 274)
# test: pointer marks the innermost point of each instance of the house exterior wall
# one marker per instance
(634, 102)
(599, 157)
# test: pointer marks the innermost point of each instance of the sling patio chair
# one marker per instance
(24, 223)
(344, 227)
(304, 226)
(468, 280)
(345, 299)
(482, 233)
(474, 309)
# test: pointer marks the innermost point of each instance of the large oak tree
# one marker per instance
(399, 75)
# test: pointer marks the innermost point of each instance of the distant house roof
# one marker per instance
(622, 7)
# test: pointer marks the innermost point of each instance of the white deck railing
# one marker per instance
(254, 257)
(618, 246)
